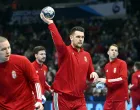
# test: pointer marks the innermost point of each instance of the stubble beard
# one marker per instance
(42, 61)
(79, 46)
(112, 58)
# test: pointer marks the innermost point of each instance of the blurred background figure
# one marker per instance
(135, 86)
(41, 69)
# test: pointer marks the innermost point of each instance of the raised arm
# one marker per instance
(57, 39)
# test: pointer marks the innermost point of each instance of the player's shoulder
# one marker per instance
(86, 53)
(121, 61)
(18, 57)
(33, 63)
(45, 66)
(107, 64)
(137, 73)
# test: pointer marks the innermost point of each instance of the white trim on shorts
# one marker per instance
(125, 105)
(55, 101)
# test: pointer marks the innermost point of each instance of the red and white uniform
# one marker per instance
(135, 90)
(42, 70)
(17, 78)
(74, 69)
(117, 88)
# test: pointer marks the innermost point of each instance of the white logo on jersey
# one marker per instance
(36, 71)
(44, 73)
(138, 76)
(85, 58)
(106, 70)
(14, 75)
(115, 70)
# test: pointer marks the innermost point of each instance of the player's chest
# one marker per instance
(10, 74)
(41, 71)
(80, 59)
(112, 70)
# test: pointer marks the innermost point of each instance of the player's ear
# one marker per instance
(107, 52)
(35, 55)
(71, 37)
(117, 53)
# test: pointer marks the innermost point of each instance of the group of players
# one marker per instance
(23, 84)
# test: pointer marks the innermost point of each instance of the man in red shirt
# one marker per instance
(17, 81)
(75, 67)
(116, 81)
(41, 69)
(135, 86)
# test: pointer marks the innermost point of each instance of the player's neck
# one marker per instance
(135, 70)
(78, 49)
(39, 62)
(111, 59)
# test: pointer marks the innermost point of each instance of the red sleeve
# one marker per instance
(47, 86)
(122, 74)
(90, 69)
(134, 82)
(33, 78)
(58, 41)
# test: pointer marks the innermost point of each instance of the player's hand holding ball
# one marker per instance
(47, 14)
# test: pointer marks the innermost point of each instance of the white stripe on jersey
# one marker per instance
(47, 83)
(115, 80)
(38, 91)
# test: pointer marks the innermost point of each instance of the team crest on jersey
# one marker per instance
(106, 70)
(85, 58)
(14, 75)
(45, 73)
(114, 70)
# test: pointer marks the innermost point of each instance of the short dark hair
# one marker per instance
(76, 28)
(137, 65)
(2, 39)
(115, 45)
(38, 48)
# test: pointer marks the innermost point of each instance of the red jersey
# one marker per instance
(42, 70)
(74, 67)
(117, 89)
(17, 77)
(135, 89)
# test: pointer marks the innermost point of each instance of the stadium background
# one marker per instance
(105, 21)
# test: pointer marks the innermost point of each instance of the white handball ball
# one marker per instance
(48, 12)
(100, 85)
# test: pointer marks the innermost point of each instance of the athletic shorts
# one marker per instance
(135, 103)
(115, 105)
(63, 101)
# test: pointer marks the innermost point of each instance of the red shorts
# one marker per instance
(115, 105)
(63, 101)
(135, 103)
(31, 107)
